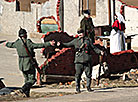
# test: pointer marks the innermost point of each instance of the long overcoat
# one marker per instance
(83, 47)
(24, 59)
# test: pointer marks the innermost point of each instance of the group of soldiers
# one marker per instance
(83, 45)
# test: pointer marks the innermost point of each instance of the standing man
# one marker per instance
(25, 65)
(83, 57)
(87, 25)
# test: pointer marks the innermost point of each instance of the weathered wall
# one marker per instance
(72, 18)
(11, 20)
(131, 15)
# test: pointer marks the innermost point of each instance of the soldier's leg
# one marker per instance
(92, 36)
(79, 70)
(25, 77)
(29, 82)
(88, 72)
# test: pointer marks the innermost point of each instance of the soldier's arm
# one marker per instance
(92, 22)
(38, 45)
(11, 44)
(82, 24)
(69, 44)
(97, 50)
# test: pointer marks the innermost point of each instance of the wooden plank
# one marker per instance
(130, 2)
(85, 4)
(92, 7)
(41, 1)
(25, 5)
(57, 78)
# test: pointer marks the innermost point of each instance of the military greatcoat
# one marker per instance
(24, 60)
(83, 54)
(87, 25)
(83, 58)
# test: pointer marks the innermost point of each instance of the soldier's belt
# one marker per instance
(23, 56)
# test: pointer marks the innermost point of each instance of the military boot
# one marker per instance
(78, 89)
(89, 89)
(26, 89)
(77, 85)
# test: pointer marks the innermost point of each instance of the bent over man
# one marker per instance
(25, 65)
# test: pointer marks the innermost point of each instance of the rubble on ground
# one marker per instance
(9, 97)
(127, 79)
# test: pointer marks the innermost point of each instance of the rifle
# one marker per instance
(2, 41)
(101, 64)
(33, 61)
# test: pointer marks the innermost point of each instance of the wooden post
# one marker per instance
(113, 9)
(79, 8)
(62, 13)
(82, 6)
(109, 11)
(129, 42)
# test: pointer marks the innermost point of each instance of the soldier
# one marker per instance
(25, 64)
(87, 25)
(83, 47)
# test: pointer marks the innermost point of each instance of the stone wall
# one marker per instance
(10, 21)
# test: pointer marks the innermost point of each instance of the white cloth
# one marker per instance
(115, 41)
(1, 8)
(120, 18)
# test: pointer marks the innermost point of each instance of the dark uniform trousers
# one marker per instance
(80, 67)
(29, 80)
(83, 58)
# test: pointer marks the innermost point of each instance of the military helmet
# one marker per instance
(22, 32)
(86, 12)
(80, 30)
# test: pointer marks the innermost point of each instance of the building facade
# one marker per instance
(11, 20)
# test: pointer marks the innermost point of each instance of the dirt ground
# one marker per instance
(16, 79)
(114, 81)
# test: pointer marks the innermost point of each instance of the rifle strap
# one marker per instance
(32, 60)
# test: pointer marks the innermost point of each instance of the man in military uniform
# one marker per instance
(87, 25)
(83, 58)
(25, 64)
